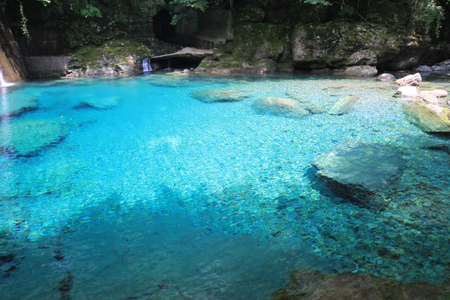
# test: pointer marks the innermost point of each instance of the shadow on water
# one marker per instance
(108, 252)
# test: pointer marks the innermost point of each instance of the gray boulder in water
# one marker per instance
(219, 95)
(359, 171)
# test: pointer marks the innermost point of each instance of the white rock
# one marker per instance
(407, 91)
(429, 97)
(440, 93)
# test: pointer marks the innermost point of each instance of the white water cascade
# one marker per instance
(146, 67)
(3, 82)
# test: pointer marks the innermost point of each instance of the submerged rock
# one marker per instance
(16, 104)
(99, 103)
(343, 105)
(280, 107)
(429, 118)
(219, 95)
(26, 138)
(314, 285)
(361, 71)
(359, 170)
(411, 80)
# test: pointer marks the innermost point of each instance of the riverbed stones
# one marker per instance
(314, 285)
(343, 105)
(16, 104)
(360, 170)
(429, 96)
(280, 107)
(410, 80)
(220, 95)
(429, 118)
(27, 138)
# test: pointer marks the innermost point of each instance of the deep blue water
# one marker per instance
(162, 193)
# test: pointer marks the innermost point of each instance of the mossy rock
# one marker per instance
(219, 95)
(314, 285)
(427, 119)
(17, 103)
(280, 107)
(27, 138)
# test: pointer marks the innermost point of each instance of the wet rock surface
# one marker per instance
(343, 105)
(427, 118)
(280, 107)
(218, 95)
(312, 285)
(360, 171)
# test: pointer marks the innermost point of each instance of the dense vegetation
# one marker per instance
(106, 18)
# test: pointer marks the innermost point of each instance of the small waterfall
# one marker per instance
(3, 82)
(146, 67)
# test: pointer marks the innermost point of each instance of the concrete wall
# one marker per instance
(215, 26)
(11, 60)
(42, 66)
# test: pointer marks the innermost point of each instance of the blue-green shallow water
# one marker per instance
(209, 201)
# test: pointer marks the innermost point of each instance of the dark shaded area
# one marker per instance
(162, 28)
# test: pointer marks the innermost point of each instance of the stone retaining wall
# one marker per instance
(42, 66)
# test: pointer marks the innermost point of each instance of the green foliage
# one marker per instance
(429, 13)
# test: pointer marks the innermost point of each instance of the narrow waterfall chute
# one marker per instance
(146, 67)
(3, 82)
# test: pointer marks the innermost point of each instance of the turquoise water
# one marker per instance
(159, 194)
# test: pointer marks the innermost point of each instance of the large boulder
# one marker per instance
(314, 285)
(340, 44)
(410, 80)
(364, 71)
(428, 117)
(359, 171)
(27, 138)
(280, 107)
(220, 95)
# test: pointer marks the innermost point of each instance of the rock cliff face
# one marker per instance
(11, 60)
(262, 46)
(342, 44)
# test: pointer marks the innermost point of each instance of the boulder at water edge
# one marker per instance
(428, 117)
(364, 71)
(411, 80)
(16, 104)
(359, 170)
(218, 95)
(343, 105)
(26, 138)
(314, 285)
(280, 107)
